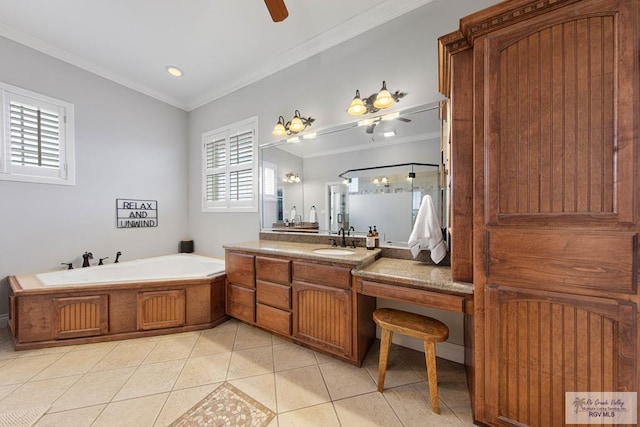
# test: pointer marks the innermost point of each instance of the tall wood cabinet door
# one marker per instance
(322, 316)
(542, 344)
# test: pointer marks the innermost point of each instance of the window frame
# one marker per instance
(65, 173)
(226, 132)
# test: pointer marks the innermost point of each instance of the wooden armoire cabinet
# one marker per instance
(544, 165)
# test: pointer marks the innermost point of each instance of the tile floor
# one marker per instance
(152, 381)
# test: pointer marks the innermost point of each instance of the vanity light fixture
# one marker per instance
(375, 102)
(296, 125)
(291, 178)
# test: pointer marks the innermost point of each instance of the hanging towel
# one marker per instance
(426, 233)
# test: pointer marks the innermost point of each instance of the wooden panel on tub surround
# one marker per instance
(543, 344)
(161, 309)
(575, 261)
(559, 144)
(80, 316)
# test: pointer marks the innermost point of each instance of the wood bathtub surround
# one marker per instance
(544, 100)
(42, 316)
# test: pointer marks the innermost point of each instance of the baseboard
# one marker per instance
(4, 320)
(445, 350)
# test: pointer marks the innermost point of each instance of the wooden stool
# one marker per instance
(425, 328)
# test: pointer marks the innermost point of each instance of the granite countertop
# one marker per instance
(358, 258)
(413, 274)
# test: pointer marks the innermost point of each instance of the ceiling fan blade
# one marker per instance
(277, 9)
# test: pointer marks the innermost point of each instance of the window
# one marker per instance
(229, 168)
(37, 139)
(269, 186)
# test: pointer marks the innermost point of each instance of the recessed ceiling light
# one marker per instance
(389, 134)
(174, 71)
(311, 135)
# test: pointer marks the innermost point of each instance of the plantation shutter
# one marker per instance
(269, 180)
(229, 167)
(36, 135)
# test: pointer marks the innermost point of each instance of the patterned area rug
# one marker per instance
(25, 418)
(226, 406)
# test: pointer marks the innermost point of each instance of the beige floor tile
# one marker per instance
(140, 412)
(250, 362)
(324, 358)
(73, 363)
(454, 394)
(315, 416)
(82, 417)
(7, 389)
(126, 354)
(108, 345)
(278, 340)
(7, 352)
(300, 388)
(92, 389)
(36, 393)
(215, 341)
(180, 401)
(4, 335)
(21, 370)
(367, 410)
(261, 387)
(41, 351)
(250, 337)
(204, 370)
(151, 379)
(412, 403)
(290, 356)
(172, 349)
(229, 325)
(344, 380)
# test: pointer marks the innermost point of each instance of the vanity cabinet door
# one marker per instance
(322, 316)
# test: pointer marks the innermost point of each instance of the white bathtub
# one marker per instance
(166, 267)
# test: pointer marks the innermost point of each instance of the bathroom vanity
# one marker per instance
(325, 300)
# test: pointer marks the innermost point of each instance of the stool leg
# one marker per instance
(430, 355)
(385, 346)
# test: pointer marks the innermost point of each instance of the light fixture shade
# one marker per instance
(296, 123)
(279, 129)
(357, 107)
(384, 98)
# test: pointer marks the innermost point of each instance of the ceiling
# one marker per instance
(221, 45)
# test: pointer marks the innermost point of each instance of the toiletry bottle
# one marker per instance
(312, 215)
(370, 241)
(376, 237)
(293, 214)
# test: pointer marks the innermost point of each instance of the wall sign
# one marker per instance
(132, 213)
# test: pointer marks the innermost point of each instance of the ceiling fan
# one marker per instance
(277, 9)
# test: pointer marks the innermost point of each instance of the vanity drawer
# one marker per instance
(328, 275)
(273, 270)
(240, 302)
(240, 269)
(272, 294)
(273, 319)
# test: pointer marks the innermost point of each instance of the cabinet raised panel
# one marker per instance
(322, 316)
(240, 302)
(240, 269)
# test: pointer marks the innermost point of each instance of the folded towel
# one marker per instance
(426, 233)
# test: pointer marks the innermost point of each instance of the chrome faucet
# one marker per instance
(117, 257)
(85, 259)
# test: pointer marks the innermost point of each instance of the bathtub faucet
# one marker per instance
(68, 264)
(85, 259)
(102, 259)
(117, 256)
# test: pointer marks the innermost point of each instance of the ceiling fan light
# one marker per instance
(384, 98)
(357, 106)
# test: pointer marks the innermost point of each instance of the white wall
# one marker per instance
(127, 146)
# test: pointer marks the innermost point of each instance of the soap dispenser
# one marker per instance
(370, 240)
(292, 218)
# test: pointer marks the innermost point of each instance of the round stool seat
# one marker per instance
(411, 324)
(429, 330)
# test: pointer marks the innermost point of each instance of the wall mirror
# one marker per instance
(371, 173)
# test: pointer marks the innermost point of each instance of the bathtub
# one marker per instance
(175, 266)
(131, 299)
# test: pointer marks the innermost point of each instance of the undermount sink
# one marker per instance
(333, 251)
